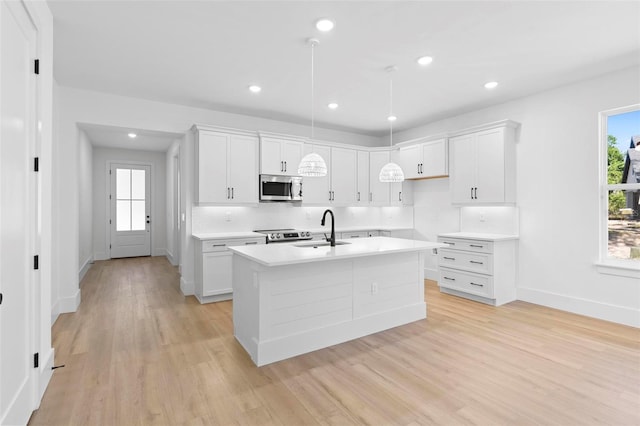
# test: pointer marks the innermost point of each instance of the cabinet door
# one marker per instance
(490, 176)
(434, 159)
(217, 273)
(463, 168)
(315, 190)
(343, 176)
(409, 159)
(362, 186)
(291, 156)
(379, 191)
(212, 167)
(271, 162)
(243, 169)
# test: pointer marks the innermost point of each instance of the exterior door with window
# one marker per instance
(130, 221)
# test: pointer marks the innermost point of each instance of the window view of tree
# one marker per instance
(623, 186)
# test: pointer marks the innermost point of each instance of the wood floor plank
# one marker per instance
(137, 352)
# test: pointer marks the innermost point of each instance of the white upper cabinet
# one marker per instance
(338, 187)
(378, 191)
(400, 193)
(227, 167)
(483, 166)
(280, 156)
(343, 176)
(424, 160)
(362, 183)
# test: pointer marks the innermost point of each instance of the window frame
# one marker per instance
(606, 264)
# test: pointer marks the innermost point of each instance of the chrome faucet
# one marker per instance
(332, 239)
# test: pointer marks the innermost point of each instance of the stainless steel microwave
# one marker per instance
(280, 188)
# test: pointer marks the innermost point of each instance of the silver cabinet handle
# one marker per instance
(475, 245)
(477, 263)
(450, 279)
(477, 285)
(421, 168)
(232, 193)
(248, 243)
(451, 244)
(282, 166)
(449, 258)
(329, 195)
(400, 196)
(472, 193)
(418, 168)
(475, 193)
(358, 195)
(219, 245)
(285, 166)
(228, 193)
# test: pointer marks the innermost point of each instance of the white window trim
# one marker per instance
(605, 264)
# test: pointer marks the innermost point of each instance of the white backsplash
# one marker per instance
(490, 220)
(283, 215)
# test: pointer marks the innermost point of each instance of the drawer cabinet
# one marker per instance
(481, 270)
(213, 268)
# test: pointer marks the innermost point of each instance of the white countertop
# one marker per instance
(479, 236)
(226, 235)
(289, 254)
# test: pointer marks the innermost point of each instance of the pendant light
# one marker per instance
(312, 165)
(391, 172)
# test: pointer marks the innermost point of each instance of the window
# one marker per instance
(130, 200)
(620, 187)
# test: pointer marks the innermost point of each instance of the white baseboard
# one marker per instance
(431, 274)
(171, 259)
(101, 256)
(68, 304)
(187, 288)
(85, 267)
(590, 308)
(45, 373)
(158, 252)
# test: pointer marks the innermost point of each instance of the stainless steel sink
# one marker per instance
(316, 244)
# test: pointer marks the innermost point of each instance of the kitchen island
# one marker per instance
(291, 299)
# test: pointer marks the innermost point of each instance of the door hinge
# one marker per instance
(109, 246)
(36, 66)
(36, 164)
(109, 171)
(36, 360)
(109, 196)
(109, 221)
(36, 262)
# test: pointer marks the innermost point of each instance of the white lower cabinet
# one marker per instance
(481, 270)
(214, 268)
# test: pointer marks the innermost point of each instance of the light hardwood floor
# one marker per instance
(138, 352)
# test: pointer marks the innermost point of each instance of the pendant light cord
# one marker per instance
(313, 46)
(390, 110)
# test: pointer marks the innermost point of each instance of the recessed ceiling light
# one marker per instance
(324, 25)
(333, 105)
(491, 85)
(255, 89)
(392, 118)
(132, 135)
(424, 60)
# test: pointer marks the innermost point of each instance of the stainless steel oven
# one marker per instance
(280, 188)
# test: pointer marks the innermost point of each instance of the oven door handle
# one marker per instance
(291, 190)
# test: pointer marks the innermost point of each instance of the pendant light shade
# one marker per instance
(312, 165)
(391, 172)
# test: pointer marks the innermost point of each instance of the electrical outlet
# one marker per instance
(227, 216)
(374, 288)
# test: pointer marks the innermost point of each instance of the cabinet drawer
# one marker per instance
(357, 234)
(474, 262)
(480, 285)
(222, 245)
(467, 245)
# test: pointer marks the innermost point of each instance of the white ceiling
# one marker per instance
(206, 53)
(117, 137)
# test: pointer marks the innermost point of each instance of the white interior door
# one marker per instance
(17, 213)
(130, 221)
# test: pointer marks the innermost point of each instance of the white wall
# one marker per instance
(101, 158)
(85, 200)
(173, 154)
(557, 195)
(81, 106)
